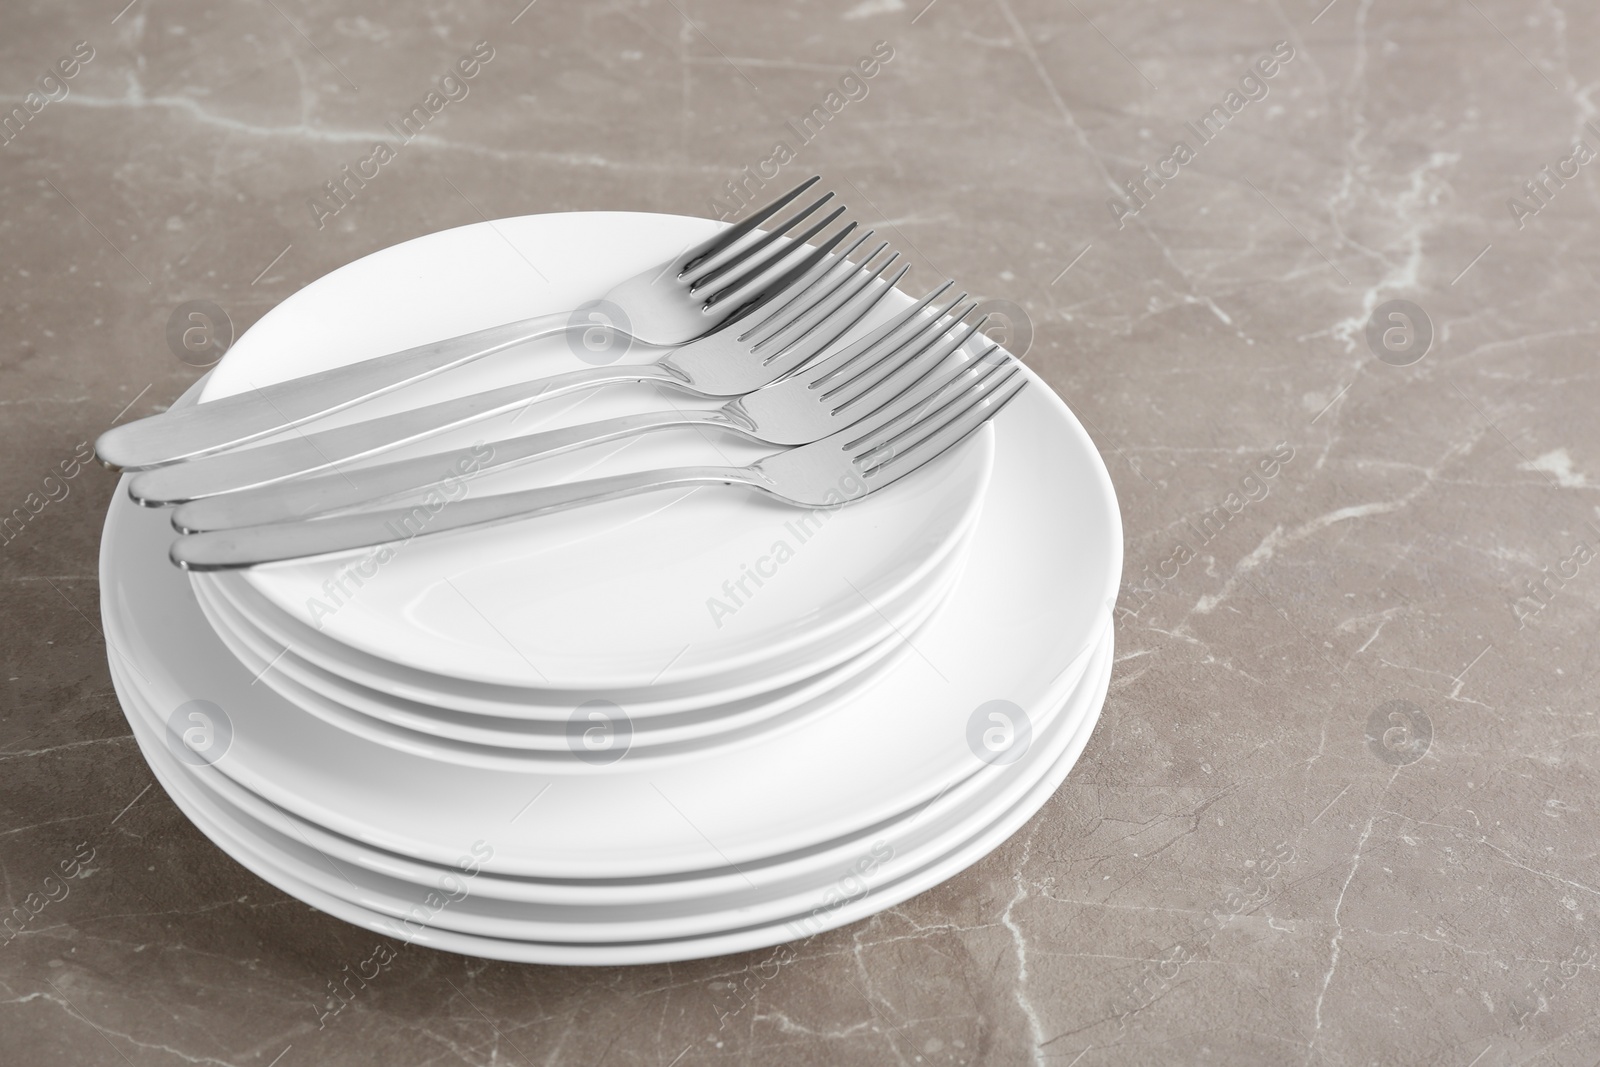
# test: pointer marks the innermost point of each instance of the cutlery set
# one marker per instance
(913, 406)
(466, 596)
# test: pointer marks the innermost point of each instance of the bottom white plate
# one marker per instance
(831, 903)
(536, 909)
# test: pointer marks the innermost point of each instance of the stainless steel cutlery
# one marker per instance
(820, 308)
(695, 294)
(842, 467)
(820, 399)
(764, 321)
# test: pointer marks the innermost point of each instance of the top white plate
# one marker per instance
(656, 590)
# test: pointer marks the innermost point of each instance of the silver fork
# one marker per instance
(701, 290)
(821, 398)
(841, 468)
(819, 309)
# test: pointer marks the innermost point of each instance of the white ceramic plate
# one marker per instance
(404, 684)
(523, 743)
(1040, 579)
(673, 886)
(834, 904)
(502, 908)
(610, 597)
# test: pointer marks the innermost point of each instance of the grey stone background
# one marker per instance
(1341, 806)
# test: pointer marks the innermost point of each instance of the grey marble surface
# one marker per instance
(1339, 807)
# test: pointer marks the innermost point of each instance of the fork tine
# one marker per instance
(698, 255)
(797, 246)
(831, 319)
(948, 378)
(936, 395)
(756, 295)
(913, 331)
(808, 292)
(912, 360)
(824, 303)
(824, 309)
(757, 285)
(924, 341)
(941, 430)
(748, 252)
(953, 433)
(888, 333)
(800, 351)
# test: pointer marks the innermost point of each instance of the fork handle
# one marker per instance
(200, 429)
(252, 545)
(306, 453)
(303, 498)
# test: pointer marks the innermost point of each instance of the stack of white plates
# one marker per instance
(662, 728)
